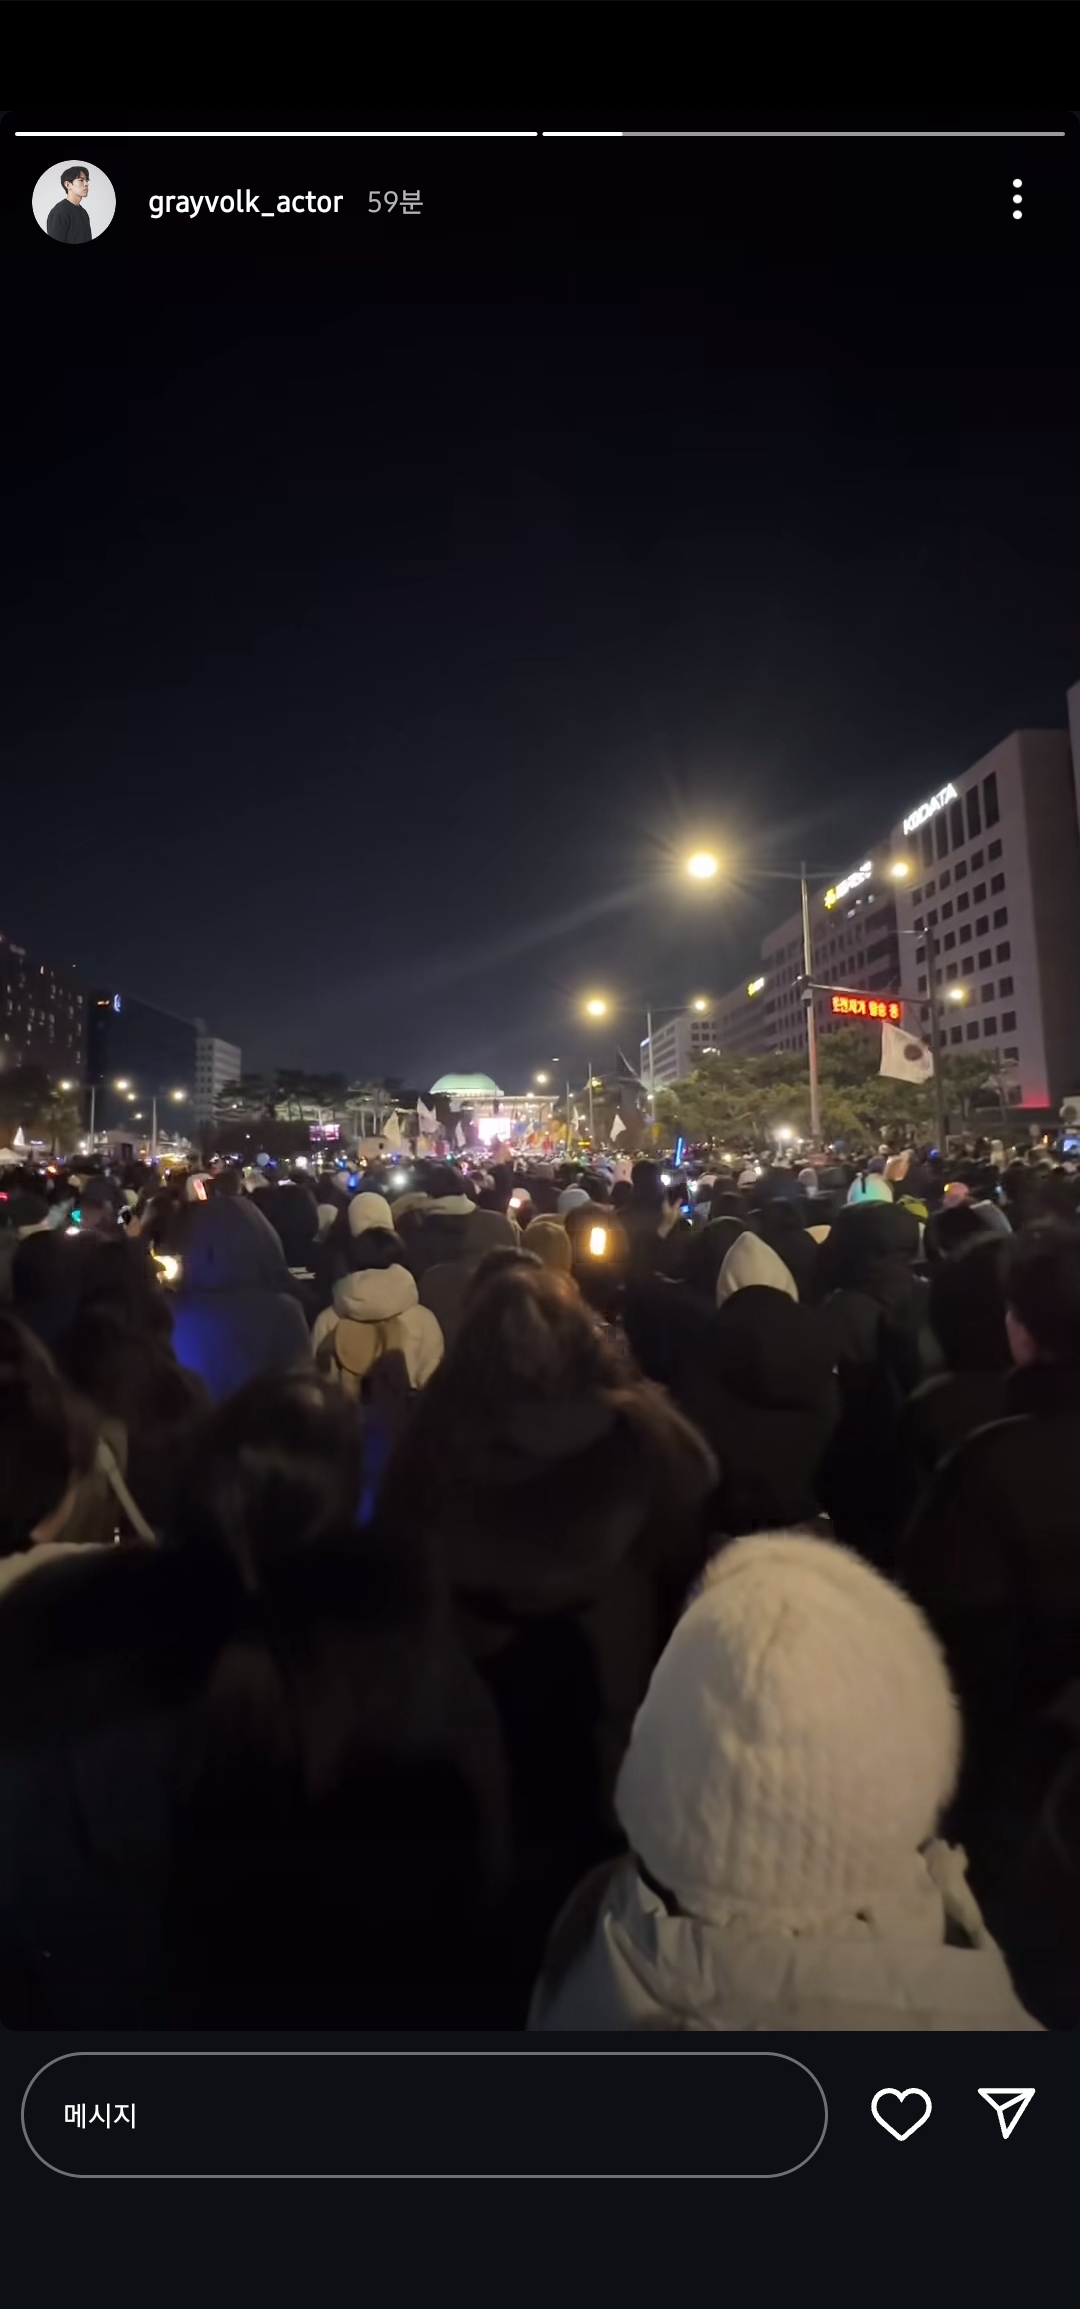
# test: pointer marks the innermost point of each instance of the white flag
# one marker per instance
(391, 1131)
(427, 1121)
(904, 1057)
(459, 1135)
(575, 1119)
(618, 1127)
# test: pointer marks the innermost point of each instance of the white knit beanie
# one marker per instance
(369, 1211)
(797, 1742)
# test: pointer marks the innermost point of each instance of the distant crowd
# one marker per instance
(540, 1597)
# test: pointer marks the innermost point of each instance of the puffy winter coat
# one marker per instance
(376, 1311)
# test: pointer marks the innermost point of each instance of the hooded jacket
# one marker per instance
(874, 1314)
(455, 1229)
(571, 1535)
(234, 1313)
(780, 1797)
(375, 1311)
(287, 1905)
(992, 1556)
(750, 1261)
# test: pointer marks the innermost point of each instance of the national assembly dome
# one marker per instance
(466, 1086)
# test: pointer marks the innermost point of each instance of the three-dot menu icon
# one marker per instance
(1018, 195)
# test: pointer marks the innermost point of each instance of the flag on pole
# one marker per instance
(427, 1121)
(575, 1119)
(904, 1057)
(618, 1127)
(459, 1135)
(391, 1131)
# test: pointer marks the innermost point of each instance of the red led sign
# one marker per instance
(867, 1006)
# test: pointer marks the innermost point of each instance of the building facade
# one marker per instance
(216, 1063)
(994, 884)
(677, 1045)
(136, 1053)
(42, 1014)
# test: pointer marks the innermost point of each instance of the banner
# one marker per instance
(618, 1127)
(904, 1057)
(427, 1122)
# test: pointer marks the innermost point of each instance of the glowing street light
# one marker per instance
(540, 1078)
(900, 869)
(958, 993)
(702, 866)
(699, 1003)
(122, 1083)
(596, 1007)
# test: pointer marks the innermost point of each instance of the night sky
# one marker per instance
(390, 601)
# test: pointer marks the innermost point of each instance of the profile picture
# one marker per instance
(74, 202)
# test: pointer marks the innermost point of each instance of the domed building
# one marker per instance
(487, 1115)
(466, 1086)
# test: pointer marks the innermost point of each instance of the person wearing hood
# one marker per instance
(235, 1315)
(752, 1262)
(783, 1227)
(967, 1317)
(547, 1239)
(21, 1215)
(247, 1780)
(656, 1234)
(781, 1797)
(874, 1312)
(991, 1555)
(871, 1188)
(565, 1498)
(376, 1311)
(292, 1212)
(451, 1227)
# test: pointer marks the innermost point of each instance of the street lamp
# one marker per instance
(596, 1008)
(701, 868)
(541, 1079)
(957, 994)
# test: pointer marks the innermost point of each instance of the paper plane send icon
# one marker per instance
(1008, 2103)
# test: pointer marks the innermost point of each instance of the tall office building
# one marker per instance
(995, 880)
(42, 1014)
(677, 1044)
(993, 877)
(216, 1063)
(149, 1051)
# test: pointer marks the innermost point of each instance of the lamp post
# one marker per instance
(701, 868)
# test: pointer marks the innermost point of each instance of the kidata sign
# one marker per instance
(850, 882)
(929, 809)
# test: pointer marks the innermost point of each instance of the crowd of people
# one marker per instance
(432, 1601)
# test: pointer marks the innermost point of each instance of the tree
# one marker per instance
(250, 1098)
(26, 1095)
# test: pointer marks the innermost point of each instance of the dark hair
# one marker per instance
(442, 1180)
(45, 1445)
(271, 1473)
(505, 1256)
(526, 1336)
(967, 1305)
(645, 1181)
(374, 1247)
(77, 168)
(596, 1186)
(622, 1193)
(1042, 1288)
(951, 1230)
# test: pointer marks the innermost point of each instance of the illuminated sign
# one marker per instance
(756, 986)
(851, 882)
(867, 1006)
(929, 809)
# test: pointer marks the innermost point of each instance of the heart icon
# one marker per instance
(903, 2130)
